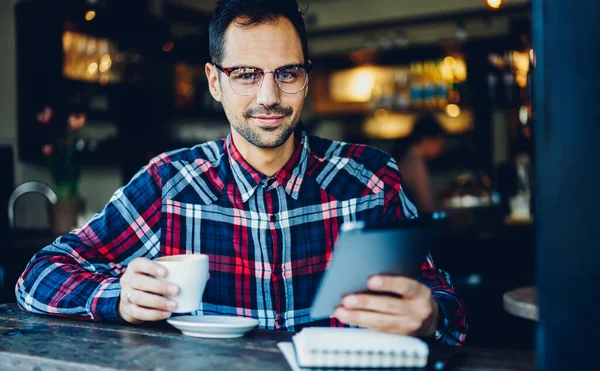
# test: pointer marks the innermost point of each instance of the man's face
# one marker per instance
(267, 118)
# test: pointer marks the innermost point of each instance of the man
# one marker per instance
(427, 142)
(266, 204)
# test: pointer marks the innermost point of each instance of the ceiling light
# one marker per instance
(494, 4)
(89, 15)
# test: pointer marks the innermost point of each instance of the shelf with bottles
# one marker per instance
(391, 97)
(509, 82)
(429, 86)
(91, 59)
(509, 78)
(422, 86)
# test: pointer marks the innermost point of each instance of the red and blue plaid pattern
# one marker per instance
(269, 239)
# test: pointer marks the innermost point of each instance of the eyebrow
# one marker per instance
(258, 68)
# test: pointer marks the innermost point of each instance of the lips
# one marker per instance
(269, 120)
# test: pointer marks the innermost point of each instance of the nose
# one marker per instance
(268, 94)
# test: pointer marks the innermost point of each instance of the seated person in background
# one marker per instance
(425, 143)
(265, 204)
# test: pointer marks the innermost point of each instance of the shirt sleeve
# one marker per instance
(79, 274)
(452, 327)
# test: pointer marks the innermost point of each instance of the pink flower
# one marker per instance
(45, 116)
(77, 121)
(47, 150)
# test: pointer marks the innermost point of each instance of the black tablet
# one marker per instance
(363, 250)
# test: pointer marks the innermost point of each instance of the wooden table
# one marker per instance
(522, 302)
(46, 343)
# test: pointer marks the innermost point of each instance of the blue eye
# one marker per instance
(245, 76)
(288, 75)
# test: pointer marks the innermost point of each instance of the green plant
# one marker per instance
(64, 169)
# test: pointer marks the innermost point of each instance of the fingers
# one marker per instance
(377, 303)
(410, 311)
(421, 308)
(136, 314)
(150, 301)
(147, 266)
(142, 294)
(403, 286)
(150, 284)
(138, 306)
(403, 325)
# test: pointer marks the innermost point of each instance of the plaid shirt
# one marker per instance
(269, 239)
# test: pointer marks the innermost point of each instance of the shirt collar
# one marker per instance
(290, 177)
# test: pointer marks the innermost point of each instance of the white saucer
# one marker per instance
(219, 327)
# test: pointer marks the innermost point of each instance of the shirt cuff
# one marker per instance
(104, 303)
(448, 331)
(442, 321)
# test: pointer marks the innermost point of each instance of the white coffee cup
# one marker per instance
(190, 273)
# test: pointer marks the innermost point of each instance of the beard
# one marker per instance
(266, 137)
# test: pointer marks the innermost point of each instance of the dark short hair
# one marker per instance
(254, 12)
(426, 126)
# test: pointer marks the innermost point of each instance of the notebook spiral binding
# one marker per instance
(369, 360)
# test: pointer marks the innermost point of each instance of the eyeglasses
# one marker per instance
(290, 79)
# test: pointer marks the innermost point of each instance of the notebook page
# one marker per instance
(359, 340)
(287, 349)
(346, 347)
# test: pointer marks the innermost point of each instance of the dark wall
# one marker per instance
(7, 181)
(567, 133)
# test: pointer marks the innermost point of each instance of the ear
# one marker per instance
(212, 74)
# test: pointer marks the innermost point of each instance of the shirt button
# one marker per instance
(273, 218)
(280, 321)
(277, 271)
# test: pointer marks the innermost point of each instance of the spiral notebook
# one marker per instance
(317, 347)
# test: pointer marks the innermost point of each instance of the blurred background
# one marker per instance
(90, 90)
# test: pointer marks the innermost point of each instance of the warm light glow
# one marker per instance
(381, 114)
(358, 84)
(90, 46)
(88, 58)
(395, 125)
(453, 110)
(460, 70)
(89, 15)
(446, 72)
(103, 80)
(450, 62)
(93, 68)
(363, 84)
(456, 125)
(105, 63)
(496, 60)
(67, 41)
(168, 46)
(521, 67)
(494, 4)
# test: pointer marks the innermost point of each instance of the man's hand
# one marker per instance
(142, 295)
(414, 313)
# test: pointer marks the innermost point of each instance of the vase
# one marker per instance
(64, 216)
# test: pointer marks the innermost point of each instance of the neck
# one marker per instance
(266, 160)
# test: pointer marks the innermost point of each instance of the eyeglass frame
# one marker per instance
(228, 70)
